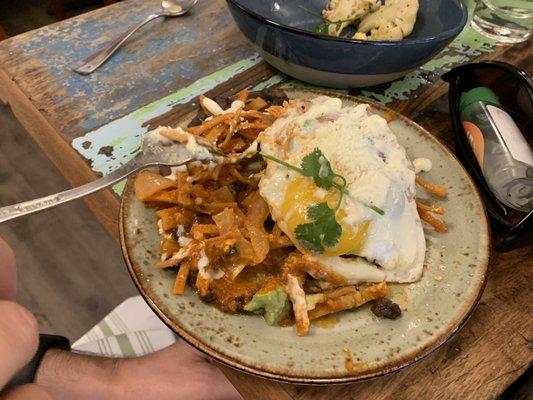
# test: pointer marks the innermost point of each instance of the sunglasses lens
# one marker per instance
(491, 136)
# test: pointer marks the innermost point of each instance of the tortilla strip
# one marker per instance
(299, 304)
(348, 299)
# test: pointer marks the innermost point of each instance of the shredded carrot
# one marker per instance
(214, 133)
(207, 125)
(430, 219)
(426, 208)
(171, 262)
(181, 278)
(202, 284)
(229, 134)
(252, 125)
(243, 95)
(435, 189)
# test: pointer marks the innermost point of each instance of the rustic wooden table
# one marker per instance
(88, 125)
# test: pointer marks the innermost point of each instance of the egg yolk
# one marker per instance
(302, 193)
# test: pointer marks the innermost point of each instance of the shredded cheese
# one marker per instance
(422, 165)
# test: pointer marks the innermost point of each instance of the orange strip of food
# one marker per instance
(389, 116)
(427, 208)
(181, 278)
(435, 189)
(304, 264)
(299, 305)
(215, 132)
(434, 222)
(276, 111)
(207, 125)
(148, 183)
(347, 298)
(257, 103)
(202, 284)
(243, 95)
(252, 125)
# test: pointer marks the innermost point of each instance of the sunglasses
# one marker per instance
(514, 90)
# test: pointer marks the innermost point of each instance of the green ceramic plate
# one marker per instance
(433, 308)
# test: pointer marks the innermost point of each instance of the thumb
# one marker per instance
(18, 339)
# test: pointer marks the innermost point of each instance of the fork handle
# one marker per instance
(94, 61)
(28, 207)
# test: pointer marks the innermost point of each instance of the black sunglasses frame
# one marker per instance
(513, 235)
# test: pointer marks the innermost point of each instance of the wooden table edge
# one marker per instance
(104, 203)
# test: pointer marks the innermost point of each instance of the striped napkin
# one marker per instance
(132, 329)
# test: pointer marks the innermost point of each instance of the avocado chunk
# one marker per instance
(273, 304)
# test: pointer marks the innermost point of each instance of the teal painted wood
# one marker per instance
(164, 56)
(161, 59)
(122, 137)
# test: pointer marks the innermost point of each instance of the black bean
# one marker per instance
(209, 297)
(164, 170)
(385, 308)
(271, 96)
(191, 278)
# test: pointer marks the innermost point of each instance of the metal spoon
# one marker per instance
(169, 8)
(151, 154)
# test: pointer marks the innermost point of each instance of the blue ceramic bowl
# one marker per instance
(283, 32)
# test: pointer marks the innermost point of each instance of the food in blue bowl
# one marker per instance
(290, 36)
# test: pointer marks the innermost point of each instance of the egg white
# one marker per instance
(362, 148)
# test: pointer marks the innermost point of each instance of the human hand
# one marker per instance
(176, 372)
(18, 332)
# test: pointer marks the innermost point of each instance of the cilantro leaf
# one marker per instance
(323, 231)
(315, 165)
(322, 28)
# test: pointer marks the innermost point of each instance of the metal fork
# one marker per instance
(151, 154)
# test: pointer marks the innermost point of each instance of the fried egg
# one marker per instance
(361, 147)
